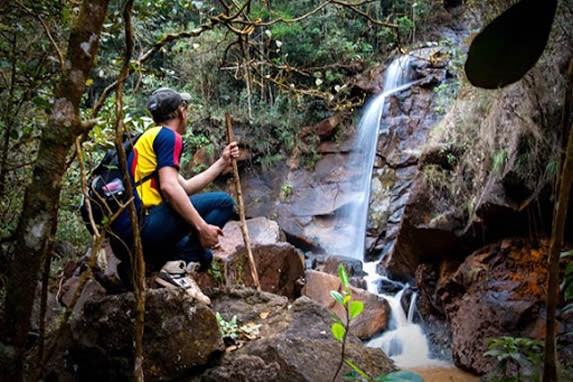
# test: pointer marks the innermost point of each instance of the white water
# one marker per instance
(404, 341)
(354, 217)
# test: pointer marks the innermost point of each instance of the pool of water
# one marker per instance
(444, 374)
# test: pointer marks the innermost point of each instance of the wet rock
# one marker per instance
(353, 266)
(297, 345)
(374, 318)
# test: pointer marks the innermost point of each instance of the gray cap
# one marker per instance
(165, 101)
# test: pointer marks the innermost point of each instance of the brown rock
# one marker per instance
(498, 291)
(280, 269)
(180, 335)
(373, 319)
(262, 231)
(296, 343)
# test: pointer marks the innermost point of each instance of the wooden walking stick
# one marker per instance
(244, 229)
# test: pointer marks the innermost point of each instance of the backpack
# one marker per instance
(106, 190)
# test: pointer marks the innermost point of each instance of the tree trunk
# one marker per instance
(557, 235)
(41, 200)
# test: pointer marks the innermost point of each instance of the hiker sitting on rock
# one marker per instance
(177, 223)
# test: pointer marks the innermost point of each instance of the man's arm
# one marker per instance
(178, 199)
(201, 180)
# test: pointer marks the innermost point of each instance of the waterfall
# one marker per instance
(354, 216)
(404, 341)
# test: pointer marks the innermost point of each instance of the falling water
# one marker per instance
(355, 215)
(404, 341)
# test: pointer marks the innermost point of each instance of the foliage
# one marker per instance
(518, 359)
(233, 330)
(340, 327)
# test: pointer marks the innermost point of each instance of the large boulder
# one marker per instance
(297, 343)
(497, 291)
(280, 269)
(179, 336)
(262, 231)
(374, 318)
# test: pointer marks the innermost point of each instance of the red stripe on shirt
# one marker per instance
(134, 163)
(177, 149)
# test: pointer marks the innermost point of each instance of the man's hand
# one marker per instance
(230, 152)
(209, 235)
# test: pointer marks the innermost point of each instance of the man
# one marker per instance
(178, 225)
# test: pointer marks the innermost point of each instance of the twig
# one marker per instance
(244, 229)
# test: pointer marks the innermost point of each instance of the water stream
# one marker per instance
(404, 341)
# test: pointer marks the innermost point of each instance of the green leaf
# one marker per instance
(357, 369)
(343, 276)
(567, 254)
(399, 376)
(337, 296)
(338, 331)
(511, 44)
(356, 307)
(347, 297)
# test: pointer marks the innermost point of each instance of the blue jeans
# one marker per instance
(166, 236)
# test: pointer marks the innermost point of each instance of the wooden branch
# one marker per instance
(244, 228)
(143, 57)
(139, 263)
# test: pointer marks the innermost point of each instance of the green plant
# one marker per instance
(232, 329)
(517, 359)
(286, 192)
(498, 162)
(352, 309)
(217, 272)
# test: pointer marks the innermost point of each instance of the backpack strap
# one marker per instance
(145, 179)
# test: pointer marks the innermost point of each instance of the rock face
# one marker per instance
(374, 318)
(179, 336)
(497, 291)
(309, 212)
(297, 343)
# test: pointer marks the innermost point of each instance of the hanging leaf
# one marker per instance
(356, 307)
(338, 331)
(343, 276)
(511, 44)
(336, 296)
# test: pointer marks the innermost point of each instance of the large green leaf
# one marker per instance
(511, 44)
(338, 331)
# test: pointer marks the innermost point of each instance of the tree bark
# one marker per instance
(557, 235)
(41, 199)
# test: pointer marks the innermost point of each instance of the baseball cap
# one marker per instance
(164, 101)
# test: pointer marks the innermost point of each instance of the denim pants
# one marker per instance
(166, 236)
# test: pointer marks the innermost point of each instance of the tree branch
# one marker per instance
(48, 33)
